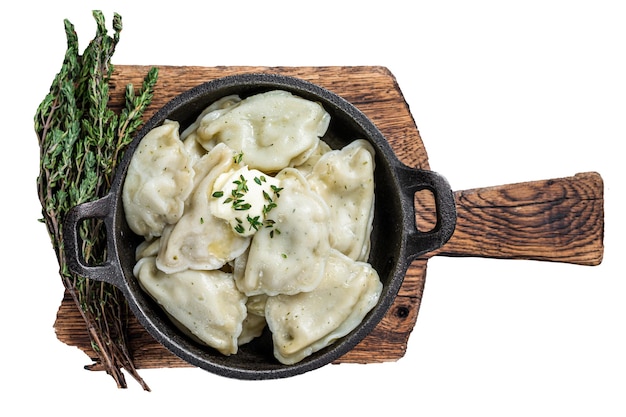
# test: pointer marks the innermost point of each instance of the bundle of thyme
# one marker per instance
(81, 141)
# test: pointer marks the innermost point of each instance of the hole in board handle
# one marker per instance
(425, 211)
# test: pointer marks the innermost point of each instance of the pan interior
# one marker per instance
(255, 360)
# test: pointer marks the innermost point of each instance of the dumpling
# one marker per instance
(253, 326)
(221, 104)
(199, 240)
(307, 322)
(205, 304)
(158, 181)
(189, 135)
(194, 149)
(307, 166)
(255, 322)
(147, 248)
(345, 181)
(288, 255)
(272, 130)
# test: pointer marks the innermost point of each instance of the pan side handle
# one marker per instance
(420, 241)
(109, 271)
(557, 220)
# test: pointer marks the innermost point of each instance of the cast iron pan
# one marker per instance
(396, 241)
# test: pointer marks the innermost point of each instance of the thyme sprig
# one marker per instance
(81, 141)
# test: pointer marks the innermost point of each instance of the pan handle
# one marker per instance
(411, 181)
(109, 271)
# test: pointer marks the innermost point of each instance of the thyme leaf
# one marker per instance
(81, 141)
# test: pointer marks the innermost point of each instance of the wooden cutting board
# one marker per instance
(559, 220)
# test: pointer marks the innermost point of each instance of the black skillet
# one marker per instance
(396, 241)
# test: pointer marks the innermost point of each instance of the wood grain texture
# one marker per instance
(558, 220)
(375, 92)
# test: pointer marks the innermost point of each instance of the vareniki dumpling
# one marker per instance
(309, 321)
(205, 303)
(272, 130)
(190, 135)
(158, 181)
(345, 180)
(199, 240)
(289, 257)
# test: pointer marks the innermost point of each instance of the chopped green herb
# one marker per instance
(241, 183)
(267, 208)
(277, 190)
(255, 223)
(242, 207)
(218, 194)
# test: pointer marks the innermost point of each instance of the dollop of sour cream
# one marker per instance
(243, 198)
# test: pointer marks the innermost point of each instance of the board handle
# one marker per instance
(558, 220)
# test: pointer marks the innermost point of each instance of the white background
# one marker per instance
(501, 92)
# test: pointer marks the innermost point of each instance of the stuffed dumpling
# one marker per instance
(288, 255)
(205, 304)
(272, 130)
(345, 181)
(158, 181)
(199, 240)
(307, 322)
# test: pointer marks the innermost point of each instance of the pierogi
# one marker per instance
(158, 181)
(251, 222)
